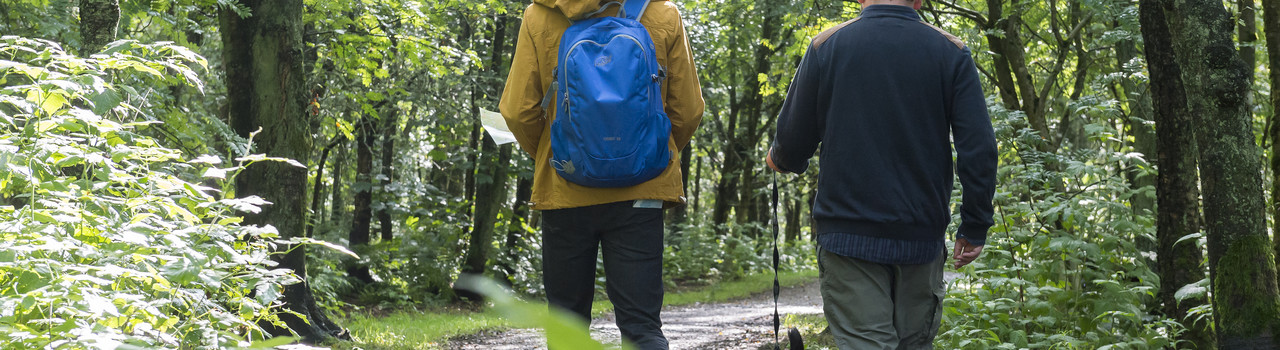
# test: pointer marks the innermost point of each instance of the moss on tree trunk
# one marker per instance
(1246, 298)
(1177, 195)
(263, 61)
(1271, 28)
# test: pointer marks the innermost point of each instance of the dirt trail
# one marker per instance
(740, 324)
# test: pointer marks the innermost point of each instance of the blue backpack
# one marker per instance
(610, 129)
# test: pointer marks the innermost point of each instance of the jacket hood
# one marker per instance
(574, 9)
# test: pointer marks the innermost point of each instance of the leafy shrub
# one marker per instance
(107, 238)
(700, 254)
(1061, 269)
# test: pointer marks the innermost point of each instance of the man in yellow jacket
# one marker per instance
(577, 220)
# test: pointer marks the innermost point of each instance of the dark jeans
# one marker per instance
(632, 242)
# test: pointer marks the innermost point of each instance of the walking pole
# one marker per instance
(793, 335)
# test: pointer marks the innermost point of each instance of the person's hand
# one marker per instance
(965, 253)
(768, 159)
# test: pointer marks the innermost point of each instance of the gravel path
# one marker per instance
(740, 324)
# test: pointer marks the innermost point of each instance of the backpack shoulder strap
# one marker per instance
(633, 9)
(602, 8)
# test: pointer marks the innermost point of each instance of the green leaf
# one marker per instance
(69, 161)
(144, 68)
(118, 46)
(6, 65)
(206, 159)
(335, 247)
(105, 101)
(23, 106)
(44, 126)
(262, 157)
(563, 330)
(52, 103)
(1196, 235)
(250, 204)
(44, 217)
(1194, 290)
(346, 129)
(216, 173)
(63, 86)
(267, 293)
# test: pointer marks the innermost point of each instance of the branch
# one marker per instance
(1061, 60)
(1053, 20)
(1035, 32)
(963, 12)
(987, 74)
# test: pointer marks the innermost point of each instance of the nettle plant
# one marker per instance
(107, 238)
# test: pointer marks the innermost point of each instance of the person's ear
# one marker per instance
(917, 4)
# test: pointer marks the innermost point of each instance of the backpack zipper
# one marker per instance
(565, 67)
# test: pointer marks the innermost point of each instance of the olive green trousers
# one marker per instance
(872, 306)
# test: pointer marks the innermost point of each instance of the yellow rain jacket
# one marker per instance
(531, 75)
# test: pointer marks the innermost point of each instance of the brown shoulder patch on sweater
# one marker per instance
(826, 34)
(954, 39)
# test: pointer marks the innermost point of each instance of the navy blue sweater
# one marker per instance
(886, 95)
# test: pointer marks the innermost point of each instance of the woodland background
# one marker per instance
(142, 140)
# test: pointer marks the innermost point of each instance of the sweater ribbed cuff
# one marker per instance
(976, 234)
(782, 165)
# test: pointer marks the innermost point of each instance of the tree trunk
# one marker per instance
(492, 164)
(317, 189)
(1176, 192)
(1144, 141)
(1247, 35)
(511, 246)
(1014, 79)
(793, 218)
(1246, 298)
(680, 215)
(98, 22)
(1271, 27)
(726, 188)
(491, 192)
(1004, 82)
(473, 161)
(697, 188)
(752, 204)
(263, 60)
(1247, 32)
(360, 236)
(1016, 82)
(726, 198)
(336, 204)
(389, 127)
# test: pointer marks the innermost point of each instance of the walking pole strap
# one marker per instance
(777, 288)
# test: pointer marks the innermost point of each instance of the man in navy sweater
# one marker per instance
(886, 95)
